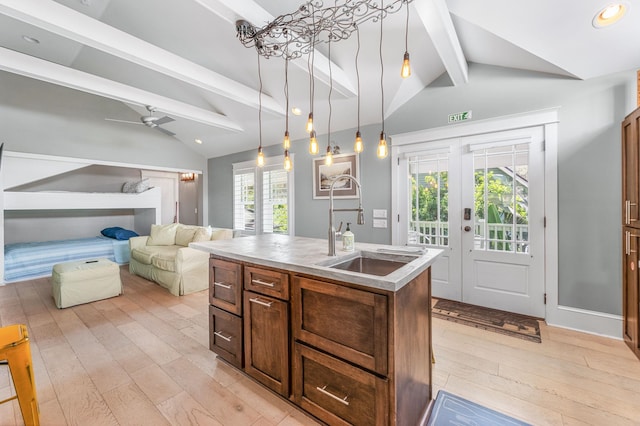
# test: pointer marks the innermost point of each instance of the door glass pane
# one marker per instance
(429, 200)
(501, 199)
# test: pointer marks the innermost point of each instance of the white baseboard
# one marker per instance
(591, 322)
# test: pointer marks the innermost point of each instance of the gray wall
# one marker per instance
(588, 167)
(43, 118)
(311, 215)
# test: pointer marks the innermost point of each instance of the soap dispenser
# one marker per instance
(348, 239)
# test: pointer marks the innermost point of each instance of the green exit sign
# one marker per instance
(459, 116)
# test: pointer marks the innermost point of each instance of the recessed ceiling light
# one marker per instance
(30, 39)
(296, 111)
(610, 14)
(198, 141)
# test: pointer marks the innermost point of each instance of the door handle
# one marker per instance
(467, 228)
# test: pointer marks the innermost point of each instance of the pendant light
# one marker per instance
(312, 84)
(358, 145)
(314, 149)
(405, 71)
(328, 160)
(287, 142)
(382, 150)
(260, 159)
(313, 144)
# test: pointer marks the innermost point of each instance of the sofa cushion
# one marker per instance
(221, 234)
(184, 234)
(201, 234)
(163, 235)
(147, 255)
(166, 259)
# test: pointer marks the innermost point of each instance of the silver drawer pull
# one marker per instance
(222, 336)
(222, 285)
(264, 283)
(326, 392)
(260, 302)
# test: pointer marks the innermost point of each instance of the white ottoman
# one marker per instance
(85, 281)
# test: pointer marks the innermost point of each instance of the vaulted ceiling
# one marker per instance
(184, 59)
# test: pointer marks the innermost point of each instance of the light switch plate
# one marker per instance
(379, 223)
(380, 213)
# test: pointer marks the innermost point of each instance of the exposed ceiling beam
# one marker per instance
(437, 21)
(73, 25)
(50, 72)
(249, 10)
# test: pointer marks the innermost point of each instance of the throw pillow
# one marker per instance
(221, 234)
(202, 234)
(163, 235)
(110, 232)
(136, 186)
(184, 235)
(125, 234)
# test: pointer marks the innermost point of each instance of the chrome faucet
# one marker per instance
(332, 230)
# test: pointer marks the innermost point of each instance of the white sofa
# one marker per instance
(165, 258)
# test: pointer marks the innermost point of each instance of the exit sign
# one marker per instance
(460, 116)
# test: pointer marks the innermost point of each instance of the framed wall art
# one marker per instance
(324, 175)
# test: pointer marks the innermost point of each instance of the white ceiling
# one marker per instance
(183, 57)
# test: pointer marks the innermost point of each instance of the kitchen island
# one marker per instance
(347, 346)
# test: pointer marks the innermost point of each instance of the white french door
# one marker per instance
(481, 200)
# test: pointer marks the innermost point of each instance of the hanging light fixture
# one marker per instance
(288, 164)
(405, 71)
(382, 150)
(260, 159)
(358, 145)
(312, 86)
(287, 141)
(328, 160)
(293, 35)
(313, 144)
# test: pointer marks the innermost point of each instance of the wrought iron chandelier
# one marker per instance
(293, 35)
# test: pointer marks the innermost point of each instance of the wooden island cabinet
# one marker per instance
(345, 352)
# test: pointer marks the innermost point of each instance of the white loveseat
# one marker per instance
(165, 258)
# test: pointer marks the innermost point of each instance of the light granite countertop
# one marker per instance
(308, 255)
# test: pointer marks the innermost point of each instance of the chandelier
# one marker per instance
(296, 34)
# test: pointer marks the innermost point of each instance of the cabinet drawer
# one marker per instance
(349, 323)
(266, 281)
(336, 392)
(225, 285)
(267, 341)
(225, 335)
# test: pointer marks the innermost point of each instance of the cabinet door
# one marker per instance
(266, 341)
(225, 285)
(349, 323)
(337, 392)
(267, 281)
(631, 170)
(225, 335)
(631, 289)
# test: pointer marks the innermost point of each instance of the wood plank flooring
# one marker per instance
(143, 359)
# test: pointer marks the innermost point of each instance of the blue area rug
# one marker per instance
(451, 410)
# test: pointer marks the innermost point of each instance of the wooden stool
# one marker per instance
(15, 350)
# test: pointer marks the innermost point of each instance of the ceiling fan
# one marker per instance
(150, 121)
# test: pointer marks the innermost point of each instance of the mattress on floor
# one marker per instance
(24, 261)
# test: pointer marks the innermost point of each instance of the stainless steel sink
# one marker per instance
(371, 262)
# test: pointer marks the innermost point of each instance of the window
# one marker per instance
(263, 198)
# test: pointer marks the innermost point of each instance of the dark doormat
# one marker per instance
(451, 410)
(516, 325)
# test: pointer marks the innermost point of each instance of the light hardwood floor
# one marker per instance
(143, 359)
